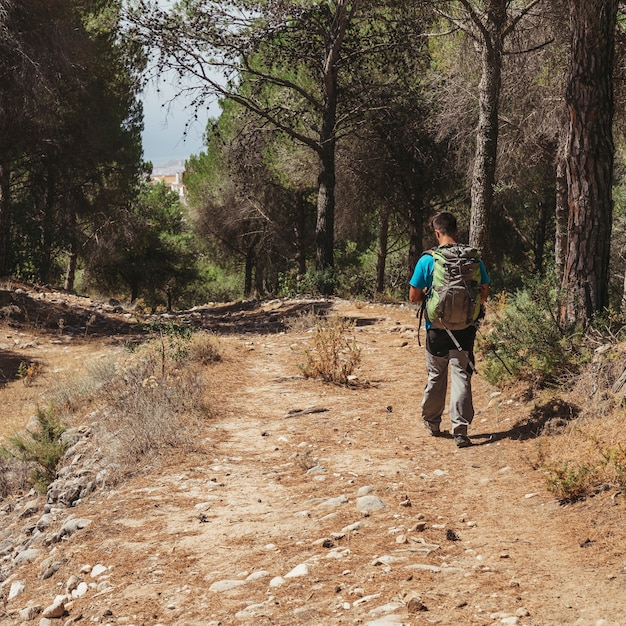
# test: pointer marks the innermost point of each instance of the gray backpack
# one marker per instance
(453, 302)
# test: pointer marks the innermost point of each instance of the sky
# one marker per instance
(163, 136)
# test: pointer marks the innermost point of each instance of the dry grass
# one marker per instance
(155, 401)
(334, 355)
(303, 322)
(151, 400)
(588, 454)
(14, 476)
(204, 349)
(81, 387)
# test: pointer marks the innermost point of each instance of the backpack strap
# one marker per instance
(420, 312)
(420, 318)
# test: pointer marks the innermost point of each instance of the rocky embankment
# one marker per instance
(32, 525)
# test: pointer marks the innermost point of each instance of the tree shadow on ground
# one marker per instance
(546, 419)
(261, 316)
(55, 313)
(250, 317)
(11, 366)
(50, 311)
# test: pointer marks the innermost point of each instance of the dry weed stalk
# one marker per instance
(156, 399)
(27, 372)
(588, 457)
(335, 354)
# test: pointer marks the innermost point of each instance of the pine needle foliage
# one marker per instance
(42, 448)
(525, 342)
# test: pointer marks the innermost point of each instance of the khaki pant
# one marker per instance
(461, 405)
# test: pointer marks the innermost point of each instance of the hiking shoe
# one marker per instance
(433, 429)
(462, 441)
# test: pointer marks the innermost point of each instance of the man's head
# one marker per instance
(444, 223)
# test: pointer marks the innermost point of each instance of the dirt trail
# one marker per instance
(262, 524)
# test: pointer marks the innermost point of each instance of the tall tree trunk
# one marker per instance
(416, 236)
(325, 228)
(47, 229)
(72, 257)
(484, 174)
(300, 234)
(561, 211)
(134, 292)
(5, 195)
(249, 265)
(70, 274)
(622, 307)
(260, 283)
(589, 159)
(383, 240)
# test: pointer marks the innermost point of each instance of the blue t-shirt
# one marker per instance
(423, 275)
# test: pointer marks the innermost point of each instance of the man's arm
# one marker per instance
(415, 294)
(484, 293)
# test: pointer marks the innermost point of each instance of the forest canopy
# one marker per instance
(344, 127)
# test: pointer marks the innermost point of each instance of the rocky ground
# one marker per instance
(302, 502)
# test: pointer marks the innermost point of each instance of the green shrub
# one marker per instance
(319, 282)
(526, 343)
(42, 448)
(571, 482)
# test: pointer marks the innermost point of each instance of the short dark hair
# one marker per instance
(445, 223)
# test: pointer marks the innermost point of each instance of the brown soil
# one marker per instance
(468, 536)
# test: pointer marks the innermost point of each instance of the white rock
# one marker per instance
(277, 581)
(25, 556)
(80, 590)
(17, 588)
(96, 570)
(337, 553)
(388, 559)
(250, 611)
(390, 607)
(226, 585)
(298, 570)
(388, 620)
(365, 599)
(105, 585)
(72, 525)
(56, 609)
(258, 575)
(29, 613)
(333, 502)
(365, 504)
(72, 583)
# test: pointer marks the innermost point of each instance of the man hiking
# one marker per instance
(452, 284)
